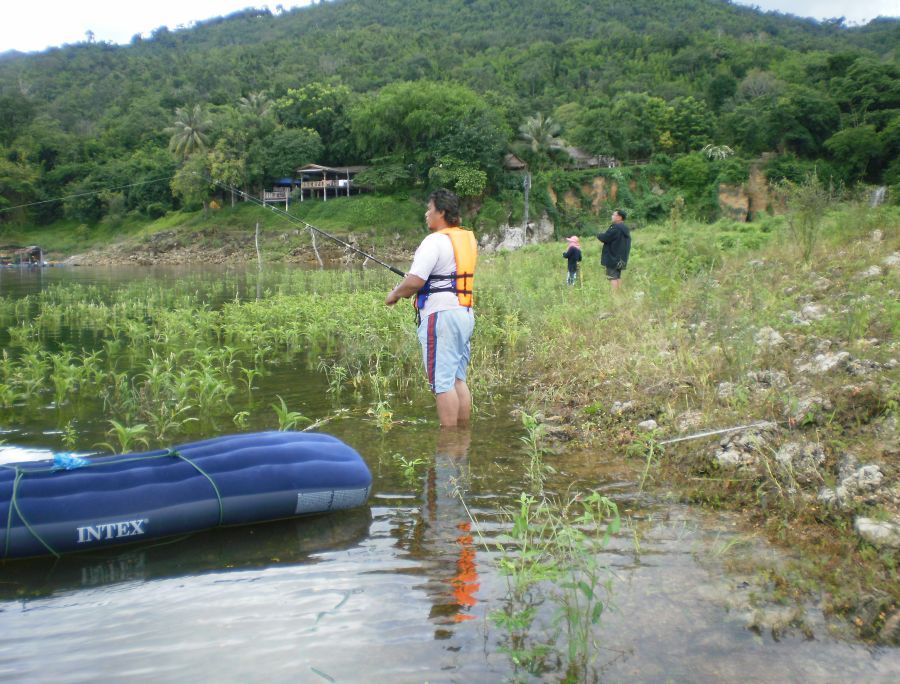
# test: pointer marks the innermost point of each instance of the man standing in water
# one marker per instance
(441, 278)
(616, 248)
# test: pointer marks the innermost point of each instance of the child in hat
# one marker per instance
(573, 254)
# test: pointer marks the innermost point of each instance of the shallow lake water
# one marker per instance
(399, 590)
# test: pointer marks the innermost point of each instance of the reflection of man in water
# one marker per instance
(448, 531)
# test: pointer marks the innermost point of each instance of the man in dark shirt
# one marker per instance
(616, 248)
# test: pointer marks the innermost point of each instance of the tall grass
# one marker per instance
(685, 321)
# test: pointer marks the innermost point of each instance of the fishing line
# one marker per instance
(299, 221)
(249, 198)
(84, 194)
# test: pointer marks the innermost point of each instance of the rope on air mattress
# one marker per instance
(20, 473)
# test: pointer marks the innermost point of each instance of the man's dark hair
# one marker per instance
(447, 203)
(622, 214)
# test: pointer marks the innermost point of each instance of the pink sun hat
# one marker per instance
(574, 240)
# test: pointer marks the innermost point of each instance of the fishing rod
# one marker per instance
(299, 221)
(231, 188)
(761, 424)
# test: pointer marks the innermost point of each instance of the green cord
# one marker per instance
(14, 501)
(174, 452)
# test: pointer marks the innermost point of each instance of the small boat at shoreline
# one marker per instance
(72, 504)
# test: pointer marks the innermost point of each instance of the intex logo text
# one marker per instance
(114, 530)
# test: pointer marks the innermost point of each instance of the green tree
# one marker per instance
(227, 168)
(17, 185)
(692, 174)
(540, 135)
(256, 105)
(691, 124)
(637, 124)
(802, 119)
(465, 179)
(191, 182)
(189, 131)
(853, 149)
(284, 151)
(324, 108)
(867, 86)
(415, 122)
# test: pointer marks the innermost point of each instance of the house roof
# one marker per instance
(318, 168)
(513, 163)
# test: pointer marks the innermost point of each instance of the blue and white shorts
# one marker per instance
(445, 338)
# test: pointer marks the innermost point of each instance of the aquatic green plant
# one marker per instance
(534, 435)
(128, 436)
(551, 554)
(408, 466)
(287, 419)
(646, 446)
(383, 415)
(70, 435)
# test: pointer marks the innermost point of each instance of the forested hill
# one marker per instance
(534, 48)
(630, 79)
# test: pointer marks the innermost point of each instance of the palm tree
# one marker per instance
(541, 134)
(189, 131)
(256, 104)
(717, 151)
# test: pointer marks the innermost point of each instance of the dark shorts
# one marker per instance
(613, 273)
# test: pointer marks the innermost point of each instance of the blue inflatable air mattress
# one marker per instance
(233, 480)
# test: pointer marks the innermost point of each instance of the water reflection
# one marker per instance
(441, 536)
(284, 542)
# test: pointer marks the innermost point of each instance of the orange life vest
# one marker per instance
(465, 252)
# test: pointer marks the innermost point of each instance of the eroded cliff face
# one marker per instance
(734, 202)
(744, 202)
(749, 200)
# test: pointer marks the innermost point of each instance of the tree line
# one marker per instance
(426, 92)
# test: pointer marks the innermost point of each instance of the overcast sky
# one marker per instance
(34, 25)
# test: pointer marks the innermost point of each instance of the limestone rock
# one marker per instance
(878, 532)
(801, 460)
(866, 479)
(768, 338)
(622, 408)
(825, 363)
(768, 379)
(742, 449)
(871, 272)
(725, 391)
(689, 420)
(647, 425)
(812, 408)
(814, 312)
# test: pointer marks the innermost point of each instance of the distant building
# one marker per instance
(315, 181)
(512, 163)
(586, 160)
(327, 181)
(14, 255)
(578, 159)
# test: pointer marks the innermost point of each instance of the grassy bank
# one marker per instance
(226, 233)
(724, 325)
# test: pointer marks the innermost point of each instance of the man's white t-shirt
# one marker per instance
(435, 256)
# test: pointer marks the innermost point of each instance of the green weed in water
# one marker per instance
(128, 436)
(409, 467)
(287, 419)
